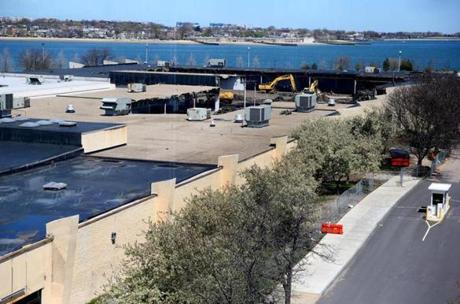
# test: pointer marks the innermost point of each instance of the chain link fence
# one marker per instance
(334, 210)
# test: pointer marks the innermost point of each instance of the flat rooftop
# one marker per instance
(19, 155)
(17, 84)
(172, 138)
(152, 91)
(25, 207)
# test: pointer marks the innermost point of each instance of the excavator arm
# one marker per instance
(268, 87)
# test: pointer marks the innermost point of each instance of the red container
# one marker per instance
(332, 228)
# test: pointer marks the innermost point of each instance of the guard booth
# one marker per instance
(440, 202)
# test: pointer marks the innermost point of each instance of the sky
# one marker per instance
(378, 15)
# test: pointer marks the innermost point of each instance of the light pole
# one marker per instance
(244, 103)
(249, 56)
(146, 53)
(43, 52)
(399, 61)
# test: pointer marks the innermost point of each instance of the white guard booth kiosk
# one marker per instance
(440, 202)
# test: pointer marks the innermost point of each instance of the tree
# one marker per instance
(255, 62)
(314, 66)
(427, 113)
(234, 245)
(287, 201)
(95, 57)
(191, 60)
(35, 60)
(342, 63)
(5, 61)
(358, 67)
(386, 64)
(335, 152)
(61, 61)
(239, 62)
(406, 65)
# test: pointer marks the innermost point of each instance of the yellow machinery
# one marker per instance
(313, 87)
(226, 96)
(271, 86)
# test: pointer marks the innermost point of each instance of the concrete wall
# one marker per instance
(80, 258)
(100, 140)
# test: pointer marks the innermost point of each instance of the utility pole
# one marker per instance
(146, 53)
(244, 103)
(399, 61)
(43, 53)
(249, 56)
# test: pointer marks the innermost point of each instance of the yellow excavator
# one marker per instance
(313, 88)
(271, 86)
(226, 96)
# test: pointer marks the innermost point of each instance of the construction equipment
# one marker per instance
(226, 96)
(313, 88)
(116, 106)
(198, 114)
(258, 116)
(271, 86)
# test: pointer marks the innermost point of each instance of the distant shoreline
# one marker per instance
(424, 39)
(149, 41)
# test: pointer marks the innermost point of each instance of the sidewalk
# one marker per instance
(358, 225)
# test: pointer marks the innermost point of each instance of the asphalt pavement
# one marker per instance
(395, 265)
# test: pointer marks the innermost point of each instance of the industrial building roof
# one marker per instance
(153, 91)
(19, 155)
(94, 185)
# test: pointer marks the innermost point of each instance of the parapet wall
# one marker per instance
(77, 259)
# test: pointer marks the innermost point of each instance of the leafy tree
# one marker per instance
(314, 66)
(427, 113)
(234, 245)
(358, 67)
(336, 152)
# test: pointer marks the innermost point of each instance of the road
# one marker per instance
(396, 266)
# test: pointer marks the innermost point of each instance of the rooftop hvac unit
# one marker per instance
(35, 80)
(136, 87)
(6, 105)
(258, 116)
(198, 114)
(305, 102)
(116, 106)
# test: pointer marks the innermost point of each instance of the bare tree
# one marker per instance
(428, 113)
(5, 61)
(191, 60)
(95, 56)
(342, 63)
(61, 61)
(35, 60)
(239, 62)
(256, 62)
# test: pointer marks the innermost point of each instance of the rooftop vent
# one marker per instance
(29, 124)
(54, 186)
(67, 124)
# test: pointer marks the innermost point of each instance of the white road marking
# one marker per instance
(428, 230)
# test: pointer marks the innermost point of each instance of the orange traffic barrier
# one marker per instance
(332, 228)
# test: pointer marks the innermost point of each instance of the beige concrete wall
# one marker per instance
(81, 259)
(100, 140)
(30, 270)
